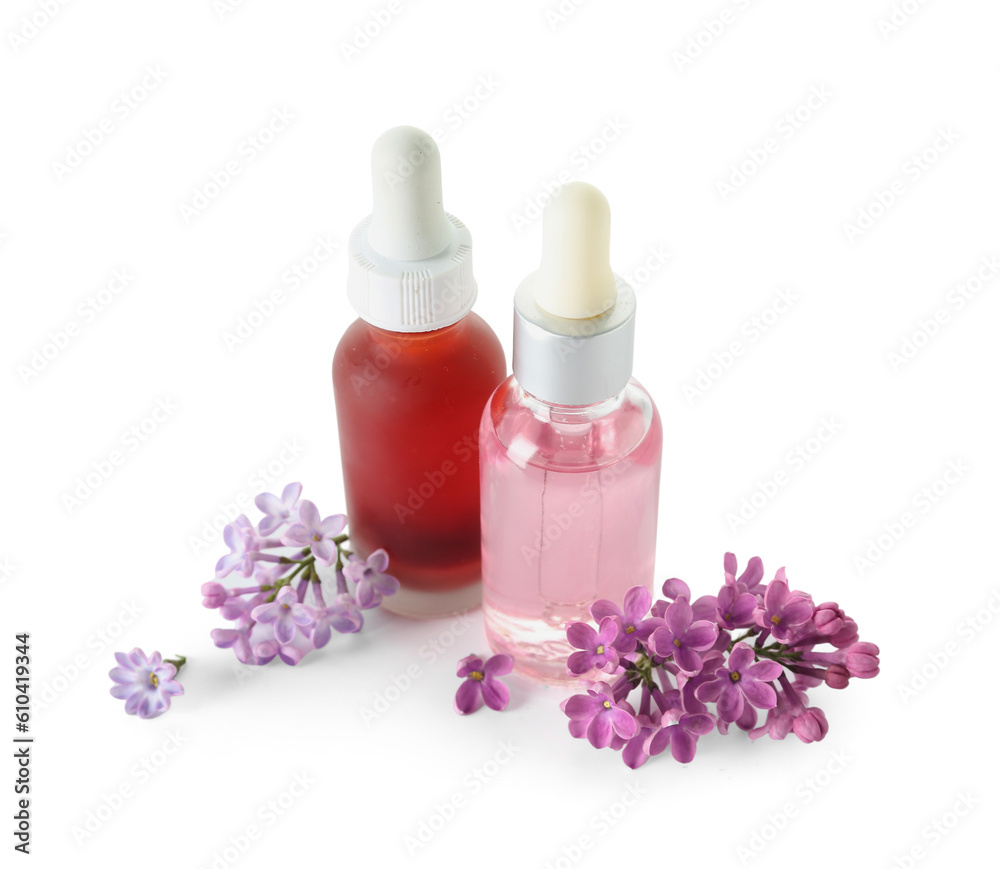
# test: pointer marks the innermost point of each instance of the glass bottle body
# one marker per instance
(408, 409)
(569, 505)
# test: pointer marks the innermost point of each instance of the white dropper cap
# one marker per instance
(575, 278)
(574, 319)
(410, 263)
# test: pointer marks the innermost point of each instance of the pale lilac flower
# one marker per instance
(482, 684)
(238, 608)
(145, 684)
(741, 680)
(781, 610)
(342, 615)
(286, 615)
(597, 647)
(278, 511)
(237, 639)
(243, 542)
(264, 652)
(292, 653)
(214, 595)
(682, 637)
(318, 534)
(603, 718)
(373, 583)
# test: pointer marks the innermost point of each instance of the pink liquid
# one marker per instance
(569, 501)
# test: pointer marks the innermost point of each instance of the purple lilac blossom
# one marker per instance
(482, 683)
(147, 685)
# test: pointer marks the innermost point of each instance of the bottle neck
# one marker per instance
(431, 334)
(569, 414)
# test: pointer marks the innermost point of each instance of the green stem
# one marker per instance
(779, 654)
(178, 662)
(750, 633)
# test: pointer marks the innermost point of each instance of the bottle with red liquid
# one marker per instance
(410, 378)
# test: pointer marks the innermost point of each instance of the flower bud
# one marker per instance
(811, 725)
(862, 660)
(837, 676)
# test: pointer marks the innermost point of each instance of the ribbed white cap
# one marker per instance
(409, 262)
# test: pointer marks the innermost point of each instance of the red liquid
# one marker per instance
(408, 411)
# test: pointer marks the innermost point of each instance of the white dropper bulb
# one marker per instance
(575, 278)
(408, 219)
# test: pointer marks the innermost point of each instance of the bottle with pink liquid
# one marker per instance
(569, 448)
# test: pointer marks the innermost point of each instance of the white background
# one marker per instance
(893, 764)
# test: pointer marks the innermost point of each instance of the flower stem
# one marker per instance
(178, 662)
(740, 639)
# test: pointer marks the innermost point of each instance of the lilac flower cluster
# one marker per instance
(282, 612)
(752, 646)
